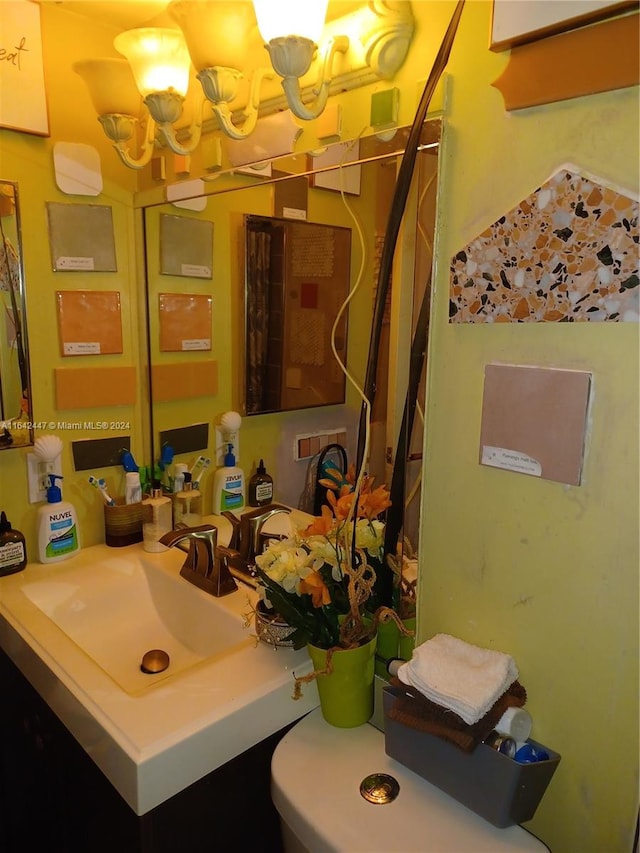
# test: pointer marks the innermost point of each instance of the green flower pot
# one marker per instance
(346, 694)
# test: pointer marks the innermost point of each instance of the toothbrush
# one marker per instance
(101, 485)
(199, 468)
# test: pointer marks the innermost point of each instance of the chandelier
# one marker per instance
(220, 40)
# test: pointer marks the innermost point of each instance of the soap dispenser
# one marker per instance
(228, 485)
(58, 535)
(156, 519)
(187, 504)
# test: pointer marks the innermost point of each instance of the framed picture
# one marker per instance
(23, 104)
(517, 22)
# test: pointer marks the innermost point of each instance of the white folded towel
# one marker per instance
(465, 679)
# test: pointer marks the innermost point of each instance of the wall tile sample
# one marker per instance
(566, 253)
(534, 421)
(89, 322)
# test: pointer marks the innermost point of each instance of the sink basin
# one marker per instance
(118, 609)
(78, 630)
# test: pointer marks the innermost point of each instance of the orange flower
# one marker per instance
(321, 524)
(371, 504)
(314, 586)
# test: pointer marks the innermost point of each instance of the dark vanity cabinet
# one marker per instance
(53, 797)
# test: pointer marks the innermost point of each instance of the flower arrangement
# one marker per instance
(320, 580)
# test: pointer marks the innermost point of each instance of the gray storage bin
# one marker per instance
(501, 790)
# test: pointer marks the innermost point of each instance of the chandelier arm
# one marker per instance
(224, 115)
(122, 149)
(168, 132)
(291, 84)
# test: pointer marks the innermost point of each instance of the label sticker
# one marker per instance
(71, 263)
(82, 348)
(510, 460)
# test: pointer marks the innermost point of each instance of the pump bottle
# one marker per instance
(58, 535)
(228, 485)
(156, 514)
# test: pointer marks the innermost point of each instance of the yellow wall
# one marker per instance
(546, 572)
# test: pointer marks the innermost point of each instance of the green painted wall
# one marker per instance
(546, 572)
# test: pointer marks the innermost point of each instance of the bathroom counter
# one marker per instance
(155, 742)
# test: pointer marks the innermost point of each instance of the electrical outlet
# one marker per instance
(38, 476)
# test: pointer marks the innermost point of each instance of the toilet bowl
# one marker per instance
(316, 773)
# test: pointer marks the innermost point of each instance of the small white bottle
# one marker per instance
(158, 509)
(228, 485)
(58, 535)
(132, 487)
(178, 480)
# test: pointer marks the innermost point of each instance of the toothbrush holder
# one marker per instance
(122, 524)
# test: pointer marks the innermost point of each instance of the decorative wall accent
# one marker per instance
(545, 71)
(566, 253)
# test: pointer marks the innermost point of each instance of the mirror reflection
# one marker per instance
(15, 405)
(207, 371)
(297, 278)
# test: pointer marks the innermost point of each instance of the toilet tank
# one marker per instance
(316, 773)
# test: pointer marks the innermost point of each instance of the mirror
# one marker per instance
(297, 277)
(202, 373)
(15, 393)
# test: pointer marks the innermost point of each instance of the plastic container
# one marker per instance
(260, 491)
(228, 485)
(13, 549)
(156, 519)
(496, 787)
(58, 536)
(187, 505)
(132, 487)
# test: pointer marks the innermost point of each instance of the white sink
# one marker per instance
(78, 629)
(124, 606)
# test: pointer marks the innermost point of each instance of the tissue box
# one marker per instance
(496, 787)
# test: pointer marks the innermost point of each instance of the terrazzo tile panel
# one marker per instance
(567, 253)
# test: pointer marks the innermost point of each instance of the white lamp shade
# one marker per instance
(217, 32)
(158, 57)
(111, 86)
(291, 18)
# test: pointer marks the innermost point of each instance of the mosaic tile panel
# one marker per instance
(567, 253)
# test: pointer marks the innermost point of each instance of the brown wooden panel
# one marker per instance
(599, 58)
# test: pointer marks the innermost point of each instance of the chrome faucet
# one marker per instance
(247, 541)
(206, 565)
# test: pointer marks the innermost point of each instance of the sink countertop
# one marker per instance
(153, 744)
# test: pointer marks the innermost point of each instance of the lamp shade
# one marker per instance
(158, 57)
(217, 32)
(278, 18)
(111, 86)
